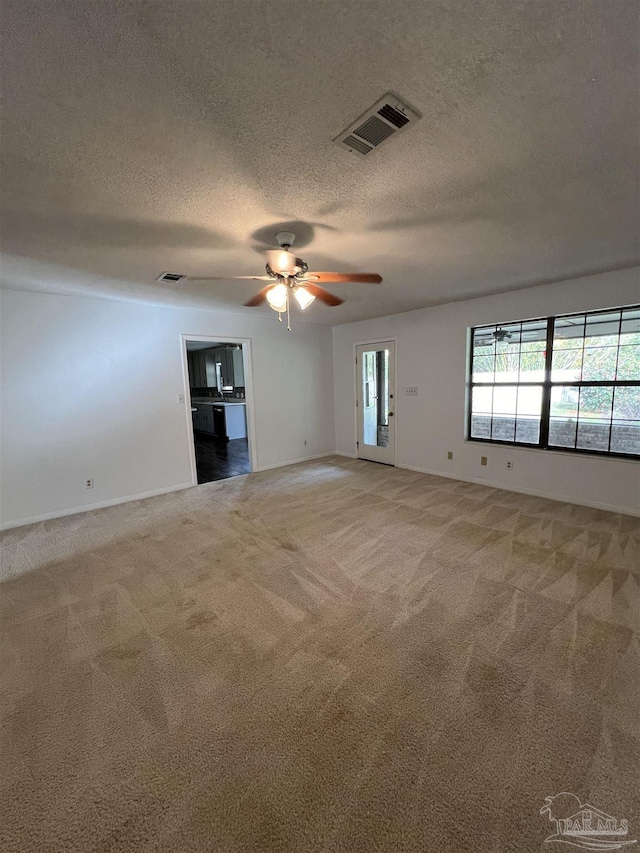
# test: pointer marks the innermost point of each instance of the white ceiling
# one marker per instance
(149, 136)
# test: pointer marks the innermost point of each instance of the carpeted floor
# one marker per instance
(335, 656)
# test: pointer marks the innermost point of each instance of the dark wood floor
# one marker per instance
(217, 460)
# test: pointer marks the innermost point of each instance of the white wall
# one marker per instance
(432, 354)
(89, 389)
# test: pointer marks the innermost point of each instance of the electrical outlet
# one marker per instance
(180, 399)
(483, 460)
(449, 454)
(411, 391)
(509, 466)
(88, 483)
(305, 444)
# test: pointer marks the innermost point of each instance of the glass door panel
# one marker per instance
(375, 372)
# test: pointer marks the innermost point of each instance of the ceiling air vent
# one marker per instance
(170, 276)
(385, 119)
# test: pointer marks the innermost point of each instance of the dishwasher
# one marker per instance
(220, 423)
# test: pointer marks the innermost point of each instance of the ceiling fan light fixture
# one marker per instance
(277, 297)
(282, 262)
(303, 297)
(285, 239)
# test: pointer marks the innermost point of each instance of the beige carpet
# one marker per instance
(335, 656)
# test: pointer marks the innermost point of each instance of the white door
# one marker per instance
(375, 370)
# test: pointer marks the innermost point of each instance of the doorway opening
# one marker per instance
(218, 392)
(375, 383)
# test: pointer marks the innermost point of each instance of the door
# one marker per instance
(375, 370)
(216, 459)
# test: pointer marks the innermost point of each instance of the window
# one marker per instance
(569, 383)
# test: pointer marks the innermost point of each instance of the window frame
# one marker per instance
(547, 386)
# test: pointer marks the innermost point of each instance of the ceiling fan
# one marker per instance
(288, 275)
(487, 338)
(491, 338)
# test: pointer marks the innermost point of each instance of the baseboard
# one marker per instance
(535, 492)
(35, 519)
(494, 485)
(296, 461)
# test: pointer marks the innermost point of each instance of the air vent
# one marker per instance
(170, 276)
(393, 115)
(357, 144)
(374, 130)
(388, 117)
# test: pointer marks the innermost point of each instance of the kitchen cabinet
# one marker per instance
(203, 419)
(191, 361)
(210, 370)
(223, 356)
(238, 368)
(231, 365)
(210, 419)
(223, 420)
(197, 370)
(202, 367)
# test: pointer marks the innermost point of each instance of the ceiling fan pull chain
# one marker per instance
(288, 313)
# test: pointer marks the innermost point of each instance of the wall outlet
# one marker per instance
(449, 454)
(411, 391)
(483, 460)
(509, 466)
(180, 399)
(305, 443)
(88, 483)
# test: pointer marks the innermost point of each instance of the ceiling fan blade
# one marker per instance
(233, 278)
(365, 277)
(259, 298)
(323, 295)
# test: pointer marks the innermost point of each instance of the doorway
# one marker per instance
(375, 386)
(218, 384)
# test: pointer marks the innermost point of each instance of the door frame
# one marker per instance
(367, 342)
(248, 395)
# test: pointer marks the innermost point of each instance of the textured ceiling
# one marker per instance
(148, 136)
